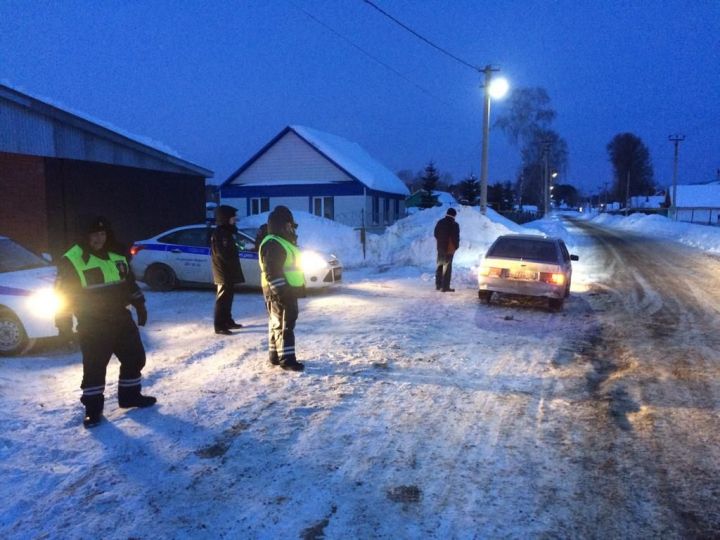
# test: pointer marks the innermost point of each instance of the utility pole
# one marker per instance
(627, 193)
(676, 140)
(546, 177)
(487, 71)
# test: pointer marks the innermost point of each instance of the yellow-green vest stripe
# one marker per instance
(108, 267)
(293, 273)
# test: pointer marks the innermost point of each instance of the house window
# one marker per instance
(386, 210)
(397, 208)
(376, 210)
(324, 207)
(259, 205)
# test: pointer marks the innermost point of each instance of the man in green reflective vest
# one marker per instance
(97, 283)
(283, 282)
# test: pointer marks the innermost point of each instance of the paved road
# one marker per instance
(656, 358)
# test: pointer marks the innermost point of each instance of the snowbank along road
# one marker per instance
(420, 415)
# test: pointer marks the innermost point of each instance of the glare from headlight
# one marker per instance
(311, 262)
(44, 303)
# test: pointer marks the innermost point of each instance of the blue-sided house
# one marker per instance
(308, 170)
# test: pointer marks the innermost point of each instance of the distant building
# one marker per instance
(323, 174)
(698, 203)
(57, 167)
(441, 197)
(651, 202)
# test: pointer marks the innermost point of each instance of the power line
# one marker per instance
(366, 53)
(423, 38)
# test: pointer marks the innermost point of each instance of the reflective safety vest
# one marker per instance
(293, 273)
(97, 272)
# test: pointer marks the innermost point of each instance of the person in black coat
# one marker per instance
(226, 267)
(447, 235)
(95, 279)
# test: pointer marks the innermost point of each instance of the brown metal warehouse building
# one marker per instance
(57, 167)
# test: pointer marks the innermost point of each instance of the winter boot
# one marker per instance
(293, 365)
(234, 325)
(93, 410)
(129, 397)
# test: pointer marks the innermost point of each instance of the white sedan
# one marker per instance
(181, 256)
(27, 300)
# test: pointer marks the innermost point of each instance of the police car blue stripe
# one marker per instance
(12, 291)
(194, 250)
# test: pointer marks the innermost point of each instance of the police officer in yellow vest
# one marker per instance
(282, 282)
(98, 284)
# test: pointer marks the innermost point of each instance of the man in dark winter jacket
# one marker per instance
(447, 235)
(97, 283)
(283, 282)
(226, 267)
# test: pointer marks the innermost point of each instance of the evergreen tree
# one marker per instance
(429, 184)
(469, 191)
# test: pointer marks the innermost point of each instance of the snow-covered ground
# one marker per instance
(420, 414)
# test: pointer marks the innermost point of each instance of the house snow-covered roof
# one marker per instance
(62, 132)
(354, 159)
(698, 195)
(347, 155)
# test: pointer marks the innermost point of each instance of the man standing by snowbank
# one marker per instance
(283, 281)
(447, 235)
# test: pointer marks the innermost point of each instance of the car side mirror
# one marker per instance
(574, 258)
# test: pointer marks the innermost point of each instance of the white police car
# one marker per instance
(181, 256)
(27, 300)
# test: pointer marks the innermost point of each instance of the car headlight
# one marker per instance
(311, 262)
(45, 303)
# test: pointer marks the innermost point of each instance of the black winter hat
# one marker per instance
(96, 224)
(223, 213)
(278, 218)
(451, 212)
(283, 214)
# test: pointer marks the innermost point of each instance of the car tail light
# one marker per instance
(490, 271)
(555, 279)
(134, 250)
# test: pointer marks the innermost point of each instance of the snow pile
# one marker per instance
(410, 241)
(700, 236)
(320, 234)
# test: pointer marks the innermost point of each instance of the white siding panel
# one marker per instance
(291, 161)
(349, 210)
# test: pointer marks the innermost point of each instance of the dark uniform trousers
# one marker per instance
(281, 329)
(223, 306)
(99, 340)
(443, 273)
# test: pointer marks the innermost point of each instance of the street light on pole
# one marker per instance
(494, 88)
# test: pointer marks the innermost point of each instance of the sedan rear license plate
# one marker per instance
(524, 276)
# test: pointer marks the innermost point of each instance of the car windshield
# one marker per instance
(14, 257)
(524, 248)
(250, 232)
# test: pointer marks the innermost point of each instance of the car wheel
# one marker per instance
(556, 304)
(160, 277)
(13, 339)
(485, 296)
(567, 290)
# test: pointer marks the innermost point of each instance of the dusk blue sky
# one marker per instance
(216, 80)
